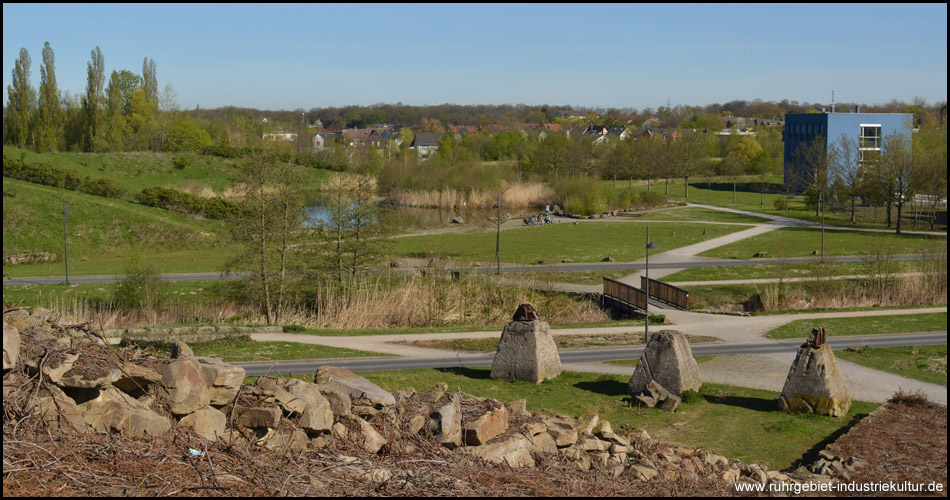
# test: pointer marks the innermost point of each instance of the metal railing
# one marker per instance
(626, 294)
(664, 292)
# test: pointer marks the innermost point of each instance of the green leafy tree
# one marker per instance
(50, 115)
(20, 95)
(150, 80)
(115, 122)
(741, 152)
(128, 83)
(92, 104)
(187, 136)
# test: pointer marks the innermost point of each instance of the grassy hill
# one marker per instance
(103, 233)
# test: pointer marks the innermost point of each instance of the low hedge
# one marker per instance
(48, 175)
(170, 199)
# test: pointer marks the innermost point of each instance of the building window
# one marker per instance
(869, 142)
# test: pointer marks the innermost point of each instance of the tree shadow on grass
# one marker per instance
(605, 387)
(472, 373)
(754, 404)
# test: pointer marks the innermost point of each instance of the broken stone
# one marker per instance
(371, 441)
(11, 346)
(186, 389)
(339, 400)
(208, 423)
(314, 409)
(815, 384)
(643, 472)
(526, 352)
(257, 417)
(543, 443)
(182, 350)
(223, 379)
(518, 408)
(135, 378)
(487, 426)
(59, 410)
(353, 385)
(563, 433)
(514, 450)
(671, 403)
(114, 410)
(445, 423)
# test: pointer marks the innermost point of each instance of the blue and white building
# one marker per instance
(869, 129)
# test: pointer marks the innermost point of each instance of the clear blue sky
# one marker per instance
(597, 55)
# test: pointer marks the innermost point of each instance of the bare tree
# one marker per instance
(897, 170)
(845, 166)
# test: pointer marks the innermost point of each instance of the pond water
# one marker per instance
(405, 218)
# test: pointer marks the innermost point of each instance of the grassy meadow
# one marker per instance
(581, 242)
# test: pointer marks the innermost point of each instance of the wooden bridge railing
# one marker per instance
(628, 295)
(664, 292)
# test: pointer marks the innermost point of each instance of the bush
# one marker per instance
(187, 136)
(780, 204)
(48, 175)
(170, 199)
(141, 288)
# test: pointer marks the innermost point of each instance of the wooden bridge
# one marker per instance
(627, 297)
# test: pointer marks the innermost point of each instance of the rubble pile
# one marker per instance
(64, 380)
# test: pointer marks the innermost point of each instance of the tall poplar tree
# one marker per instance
(150, 80)
(92, 103)
(20, 96)
(114, 119)
(50, 112)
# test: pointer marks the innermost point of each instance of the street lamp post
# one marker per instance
(646, 303)
(65, 244)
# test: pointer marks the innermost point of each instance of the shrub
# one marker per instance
(780, 203)
(48, 175)
(187, 136)
(170, 199)
(141, 287)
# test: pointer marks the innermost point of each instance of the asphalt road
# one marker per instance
(573, 356)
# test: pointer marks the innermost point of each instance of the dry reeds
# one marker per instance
(513, 195)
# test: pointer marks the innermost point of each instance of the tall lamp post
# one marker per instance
(646, 303)
(65, 244)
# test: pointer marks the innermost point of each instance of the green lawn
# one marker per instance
(575, 277)
(241, 348)
(52, 296)
(581, 242)
(802, 242)
(863, 325)
(735, 422)
(773, 271)
(103, 232)
(926, 363)
(701, 214)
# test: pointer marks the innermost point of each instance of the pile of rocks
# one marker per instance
(70, 378)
